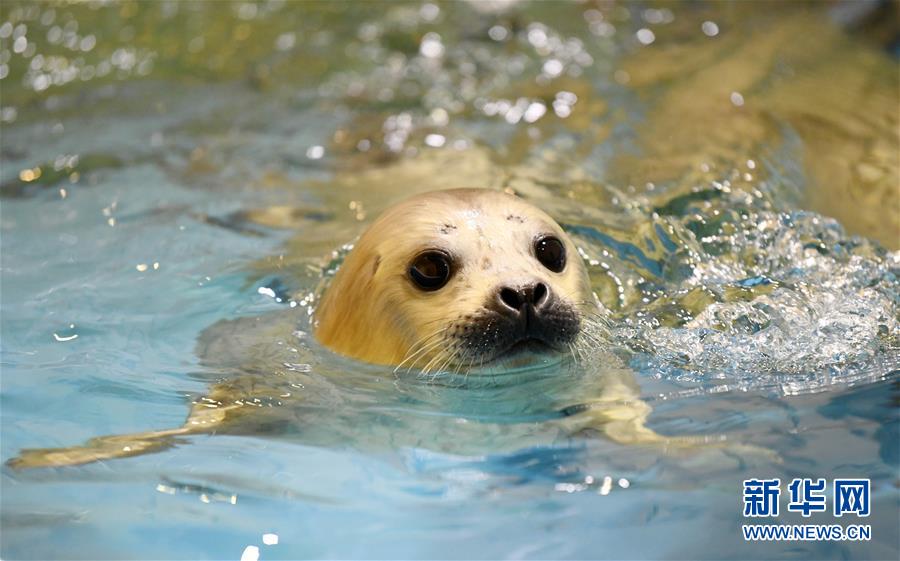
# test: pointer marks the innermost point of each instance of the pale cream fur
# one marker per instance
(372, 311)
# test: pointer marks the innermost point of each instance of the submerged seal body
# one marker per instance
(456, 279)
(446, 281)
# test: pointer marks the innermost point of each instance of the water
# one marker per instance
(163, 162)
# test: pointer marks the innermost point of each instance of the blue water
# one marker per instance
(746, 319)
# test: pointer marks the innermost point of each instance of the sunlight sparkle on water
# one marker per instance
(645, 36)
(251, 553)
(431, 46)
(498, 33)
(709, 28)
(435, 140)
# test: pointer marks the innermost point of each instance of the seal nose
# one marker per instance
(517, 299)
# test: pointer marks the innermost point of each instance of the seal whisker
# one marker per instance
(416, 350)
(439, 370)
(423, 344)
(431, 346)
(581, 344)
(592, 338)
(437, 359)
(427, 368)
(450, 357)
(480, 365)
(572, 352)
(459, 365)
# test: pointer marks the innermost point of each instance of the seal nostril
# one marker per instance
(539, 294)
(511, 298)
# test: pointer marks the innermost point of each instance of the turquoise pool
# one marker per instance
(171, 171)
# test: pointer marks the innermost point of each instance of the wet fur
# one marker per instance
(371, 311)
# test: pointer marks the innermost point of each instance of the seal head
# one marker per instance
(457, 279)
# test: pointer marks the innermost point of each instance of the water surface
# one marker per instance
(729, 172)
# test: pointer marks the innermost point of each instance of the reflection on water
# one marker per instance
(177, 175)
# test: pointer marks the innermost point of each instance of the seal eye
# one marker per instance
(430, 270)
(551, 252)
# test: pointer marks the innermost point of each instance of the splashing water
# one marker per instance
(733, 294)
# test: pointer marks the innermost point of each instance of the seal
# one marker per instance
(457, 279)
(449, 281)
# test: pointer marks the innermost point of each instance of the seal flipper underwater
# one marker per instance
(619, 416)
(223, 347)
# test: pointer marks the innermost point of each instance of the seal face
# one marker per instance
(456, 279)
(525, 316)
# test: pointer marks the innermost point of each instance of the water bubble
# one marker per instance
(535, 111)
(515, 112)
(537, 36)
(645, 36)
(562, 109)
(709, 28)
(439, 116)
(41, 82)
(553, 68)
(568, 98)
(653, 16)
(498, 33)
(593, 15)
(87, 43)
(368, 32)
(606, 486)
(247, 10)
(429, 12)
(603, 29)
(285, 41)
(251, 553)
(30, 174)
(435, 140)
(431, 46)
